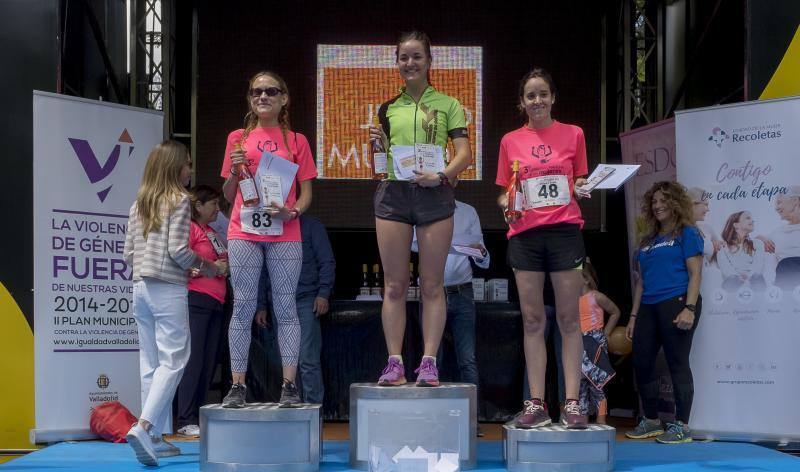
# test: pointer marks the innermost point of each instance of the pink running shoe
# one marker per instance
(428, 374)
(394, 374)
(571, 417)
(533, 415)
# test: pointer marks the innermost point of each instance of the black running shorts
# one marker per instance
(402, 201)
(547, 249)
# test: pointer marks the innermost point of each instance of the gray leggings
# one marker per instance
(284, 260)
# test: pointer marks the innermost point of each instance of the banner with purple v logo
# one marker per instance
(88, 159)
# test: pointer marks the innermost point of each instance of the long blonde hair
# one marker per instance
(251, 119)
(161, 189)
(677, 199)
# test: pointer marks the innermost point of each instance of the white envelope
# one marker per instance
(404, 162)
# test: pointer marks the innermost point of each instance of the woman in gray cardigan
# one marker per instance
(157, 245)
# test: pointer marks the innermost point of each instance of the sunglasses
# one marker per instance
(270, 91)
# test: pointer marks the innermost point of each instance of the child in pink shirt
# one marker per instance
(596, 366)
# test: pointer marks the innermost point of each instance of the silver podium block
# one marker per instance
(260, 437)
(408, 402)
(555, 448)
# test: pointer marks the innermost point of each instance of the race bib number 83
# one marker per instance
(546, 190)
(258, 221)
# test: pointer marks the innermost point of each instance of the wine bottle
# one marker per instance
(364, 290)
(514, 207)
(413, 290)
(247, 184)
(377, 156)
(377, 284)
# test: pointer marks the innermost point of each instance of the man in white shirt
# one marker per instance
(784, 241)
(458, 288)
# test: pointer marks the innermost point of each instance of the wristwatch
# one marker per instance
(690, 307)
(443, 180)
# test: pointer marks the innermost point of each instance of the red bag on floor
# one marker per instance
(111, 421)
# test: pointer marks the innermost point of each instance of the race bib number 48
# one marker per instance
(546, 190)
(258, 221)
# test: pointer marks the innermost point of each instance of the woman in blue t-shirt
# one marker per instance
(666, 307)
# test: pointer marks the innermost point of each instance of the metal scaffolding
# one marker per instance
(152, 53)
(641, 77)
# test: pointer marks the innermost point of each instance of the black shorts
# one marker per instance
(547, 249)
(402, 201)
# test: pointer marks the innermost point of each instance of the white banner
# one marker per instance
(88, 159)
(742, 161)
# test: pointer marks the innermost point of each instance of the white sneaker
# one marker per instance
(191, 430)
(142, 445)
(165, 448)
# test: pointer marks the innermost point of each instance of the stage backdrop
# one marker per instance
(744, 158)
(652, 147)
(353, 81)
(566, 43)
(88, 159)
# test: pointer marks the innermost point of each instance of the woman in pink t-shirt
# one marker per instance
(206, 297)
(546, 239)
(268, 233)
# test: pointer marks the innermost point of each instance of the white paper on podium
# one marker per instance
(621, 174)
(445, 465)
(404, 452)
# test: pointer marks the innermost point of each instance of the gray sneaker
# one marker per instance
(290, 397)
(235, 397)
(645, 429)
(165, 448)
(676, 433)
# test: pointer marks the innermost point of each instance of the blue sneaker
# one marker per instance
(645, 429)
(676, 433)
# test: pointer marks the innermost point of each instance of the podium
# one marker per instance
(555, 448)
(260, 437)
(386, 421)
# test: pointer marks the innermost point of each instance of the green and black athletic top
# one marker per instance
(432, 120)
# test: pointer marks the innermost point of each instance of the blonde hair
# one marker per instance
(677, 199)
(589, 274)
(696, 194)
(251, 119)
(161, 189)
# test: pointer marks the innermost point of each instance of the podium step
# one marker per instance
(260, 437)
(441, 420)
(555, 448)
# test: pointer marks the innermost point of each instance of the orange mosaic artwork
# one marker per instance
(353, 95)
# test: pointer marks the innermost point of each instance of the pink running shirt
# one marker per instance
(559, 149)
(269, 139)
(200, 243)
